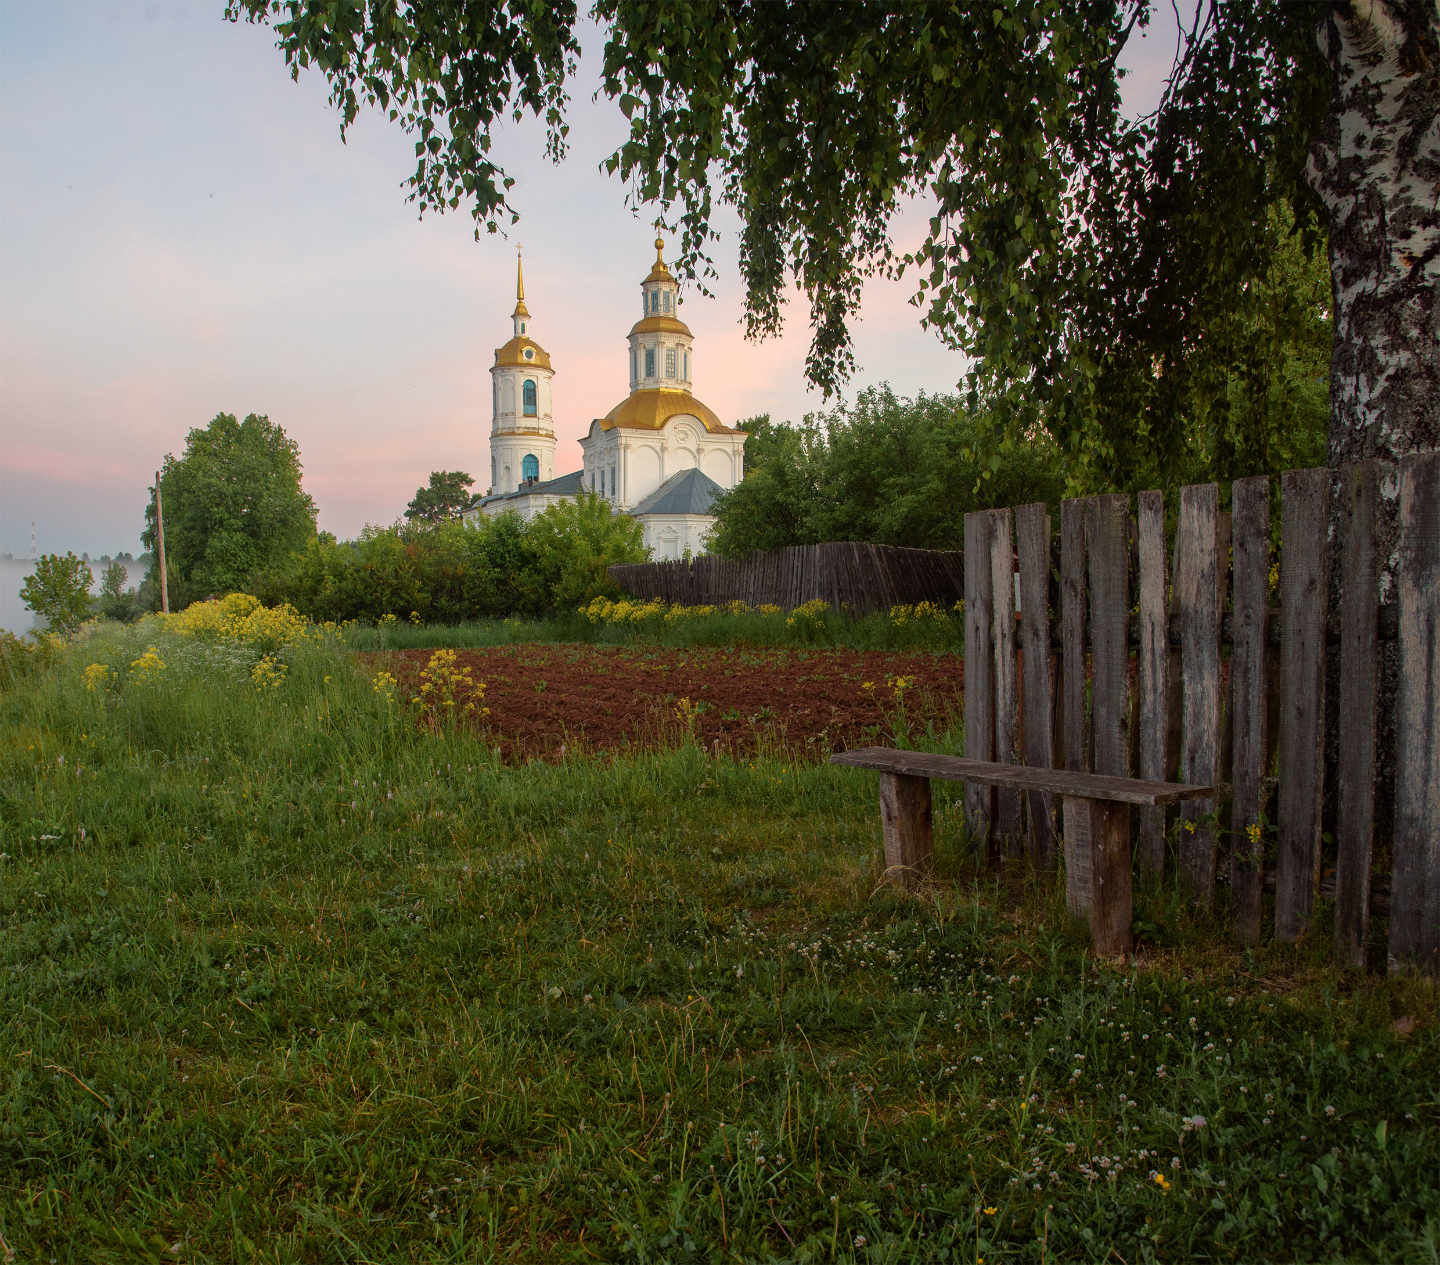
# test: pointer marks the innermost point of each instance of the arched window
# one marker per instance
(686, 374)
(530, 466)
(529, 398)
(522, 327)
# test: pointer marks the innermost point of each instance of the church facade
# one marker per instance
(659, 455)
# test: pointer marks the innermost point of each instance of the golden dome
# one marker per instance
(661, 325)
(650, 409)
(659, 272)
(513, 353)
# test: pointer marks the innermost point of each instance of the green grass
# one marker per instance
(313, 986)
(865, 632)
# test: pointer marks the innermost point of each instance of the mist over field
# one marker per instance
(14, 572)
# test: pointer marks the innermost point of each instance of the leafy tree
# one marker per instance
(886, 470)
(448, 496)
(570, 544)
(233, 504)
(113, 601)
(1077, 255)
(59, 591)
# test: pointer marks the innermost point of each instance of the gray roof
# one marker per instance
(561, 485)
(689, 492)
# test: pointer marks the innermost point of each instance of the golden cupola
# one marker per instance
(521, 349)
(661, 352)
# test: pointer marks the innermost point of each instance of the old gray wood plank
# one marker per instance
(951, 768)
(1107, 548)
(908, 827)
(1359, 678)
(1032, 529)
(1304, 506)
(1415, 886)
(1100, 832)
(1196, 588)
(1076, 715)
(979, 673)
(1152, 675)
(1251, 544)
(1007, 699)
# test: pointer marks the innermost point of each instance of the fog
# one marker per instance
(14, 572)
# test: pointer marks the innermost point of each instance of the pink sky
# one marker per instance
(184, 234)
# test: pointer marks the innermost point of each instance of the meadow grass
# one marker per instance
(703, 626)
(284, 977)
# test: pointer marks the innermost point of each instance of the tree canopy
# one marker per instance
(232, 503)
(1079, 256)
(448, 496)
(59, 591)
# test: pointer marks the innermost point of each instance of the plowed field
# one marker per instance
(605, 698)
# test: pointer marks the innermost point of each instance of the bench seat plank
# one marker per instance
(949, 768)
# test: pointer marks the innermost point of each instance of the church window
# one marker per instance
(612, 481)
(592, 480)
(529, 354)
(632, 364)
(522, 327)
(649, 362)
(529, 398)
(492, 474)
(670, 362)
(665, 303)
(686, 374)
(654, 300)
(530, 466)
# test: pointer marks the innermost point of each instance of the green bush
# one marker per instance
(490, 568)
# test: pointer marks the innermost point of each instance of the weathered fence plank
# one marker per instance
(1359, 678)
(1078, 877)
(979, 671)
(1032, 530)
(1007, 715)
(1107, 545)
(1304, 506)
(1251, 526)
(1152, 674)
(1196, 589)
(1415, 887)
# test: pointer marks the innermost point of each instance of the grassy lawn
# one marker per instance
(285, 977)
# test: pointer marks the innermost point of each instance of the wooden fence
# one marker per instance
(858, 577)
(1060, 673)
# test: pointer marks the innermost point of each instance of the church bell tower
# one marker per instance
(522, 432)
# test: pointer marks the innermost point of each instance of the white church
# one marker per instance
(659, 455)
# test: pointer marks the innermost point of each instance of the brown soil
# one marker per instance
(543, 698)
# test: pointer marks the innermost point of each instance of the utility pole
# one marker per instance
(160, 547)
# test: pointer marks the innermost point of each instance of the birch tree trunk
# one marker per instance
(1377, 169)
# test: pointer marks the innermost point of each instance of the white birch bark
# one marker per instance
(1377, 169)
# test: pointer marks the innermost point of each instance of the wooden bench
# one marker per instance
(1096, 822)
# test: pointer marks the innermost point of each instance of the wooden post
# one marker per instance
(1251, 499)
(1032, 529)
(1099, 831)
(1078, 882)
(979, 672)
(1359, 678)
(160, 547)
(1002, 588)
(1196, 589)
(1415, 887)
(1153, 675)
(1304, 513)
(905, 818)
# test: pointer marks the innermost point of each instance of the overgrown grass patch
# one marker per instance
(284, 978)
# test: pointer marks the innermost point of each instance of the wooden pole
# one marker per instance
(160, 547)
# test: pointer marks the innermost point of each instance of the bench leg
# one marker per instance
(1097, 871)
(909, 829)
